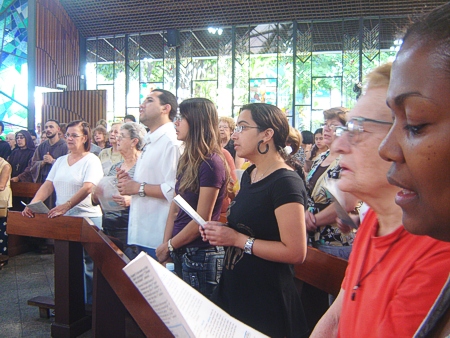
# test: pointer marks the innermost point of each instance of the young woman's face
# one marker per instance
(182, 128)
(318, 140)
(418, 144)
(246, 141)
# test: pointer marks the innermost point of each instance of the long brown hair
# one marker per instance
(201, 142)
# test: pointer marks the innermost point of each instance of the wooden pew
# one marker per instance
(24, 189)
(18, 244)
(322, 270)
(115, 296)
(320, 274)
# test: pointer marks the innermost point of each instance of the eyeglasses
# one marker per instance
(240, 128)
(120, 137)
(177, 118)
(20, 137)
(72, 135)
(355, 127)
(331, 126)
(224, 127)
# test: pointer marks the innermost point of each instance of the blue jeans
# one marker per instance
(201, 268)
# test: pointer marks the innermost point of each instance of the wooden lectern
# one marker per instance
(115, 296)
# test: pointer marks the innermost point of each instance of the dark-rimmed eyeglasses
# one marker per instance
(241, 128)
(355, 127)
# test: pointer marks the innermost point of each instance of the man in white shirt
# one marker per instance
(153, 185)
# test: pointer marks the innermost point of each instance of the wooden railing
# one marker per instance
(112, 289)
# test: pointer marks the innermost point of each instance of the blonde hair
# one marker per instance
(379, 77)
(228, 120)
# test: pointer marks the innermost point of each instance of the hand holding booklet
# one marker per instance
(37, 207)
(181, 202)
(336, 196)
(184, 310)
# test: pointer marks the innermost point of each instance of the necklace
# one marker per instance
(254, 180)
(361, 278)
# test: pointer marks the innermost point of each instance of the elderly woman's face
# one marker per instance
(115, 130)
(225, 130)
(363, 170)
(419, 141)
(124, 141)
(329, 129)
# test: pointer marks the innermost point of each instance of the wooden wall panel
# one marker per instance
(87, 105)
(57, 47)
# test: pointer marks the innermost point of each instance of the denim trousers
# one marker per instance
(201, 268)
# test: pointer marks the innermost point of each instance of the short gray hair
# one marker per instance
(136, 130)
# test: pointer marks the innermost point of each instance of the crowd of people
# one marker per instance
(387, 163)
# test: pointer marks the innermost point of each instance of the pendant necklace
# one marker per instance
(263, 175)
(361, 278)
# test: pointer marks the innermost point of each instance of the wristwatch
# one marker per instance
(248, 247)
(169, 245)
(141, 189)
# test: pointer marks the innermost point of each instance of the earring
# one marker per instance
(265, 151)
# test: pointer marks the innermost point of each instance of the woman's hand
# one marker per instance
(122, 200)
(27, 212)
(345, 229)
(59, 210)
(162, 252)
(310, 220)
(219, 234)
(126, 185)
(15, 179)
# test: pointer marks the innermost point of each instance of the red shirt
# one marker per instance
(395, 297)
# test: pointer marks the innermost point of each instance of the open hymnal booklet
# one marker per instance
(37, 207)
(185, 311)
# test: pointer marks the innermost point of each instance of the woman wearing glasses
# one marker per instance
(265, 232)
(321, 216)
(393, 276)
(129, 142)
(111, 155)
(226, 128)
(21, 155)
(202, 180)
(73, 177)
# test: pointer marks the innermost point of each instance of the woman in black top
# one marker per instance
(265, 232)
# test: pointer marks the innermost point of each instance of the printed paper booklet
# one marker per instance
(184, 310)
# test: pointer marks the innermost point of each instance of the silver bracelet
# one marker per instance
(248, 247)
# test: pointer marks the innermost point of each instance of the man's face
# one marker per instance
(51, 129)
(151, 109)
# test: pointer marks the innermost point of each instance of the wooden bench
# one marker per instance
(45, 304)
(18, 244)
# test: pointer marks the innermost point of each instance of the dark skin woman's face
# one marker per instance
(418, 143)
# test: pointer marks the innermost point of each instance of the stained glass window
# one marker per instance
(13, 63)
